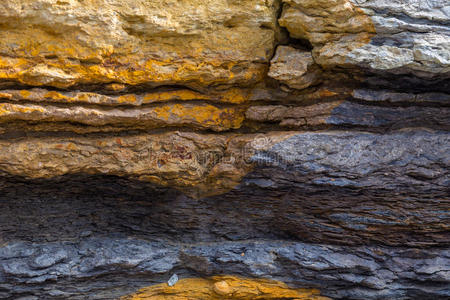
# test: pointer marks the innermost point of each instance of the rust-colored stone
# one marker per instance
(225, 287)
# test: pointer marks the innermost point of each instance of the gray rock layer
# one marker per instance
(96, 268)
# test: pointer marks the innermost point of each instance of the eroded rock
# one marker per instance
(401, 36)
(294, 68)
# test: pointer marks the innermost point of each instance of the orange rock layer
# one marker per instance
(225, 287)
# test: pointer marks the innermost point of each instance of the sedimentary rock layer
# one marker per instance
(199, 164)
(363, 161)
(106, 268)
(229, 287)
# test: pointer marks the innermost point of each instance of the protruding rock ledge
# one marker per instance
(199, 116)
(199, 164)
(398, 97)
(233, 95)
(346, 113)
(410, 159)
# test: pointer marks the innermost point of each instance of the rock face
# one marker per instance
(197, 43)
(272, 149)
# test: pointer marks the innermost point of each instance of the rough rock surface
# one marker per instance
(305, 141)
(118, 266)
(394, 36)
(294, 68)
(70, 42)
(220, 287)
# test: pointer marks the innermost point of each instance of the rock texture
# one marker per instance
(220, 287)
(394, 36)
(299, 141)
(117, 266)
(164, 42)
(294, 68)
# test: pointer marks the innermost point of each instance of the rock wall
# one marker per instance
(304, 142)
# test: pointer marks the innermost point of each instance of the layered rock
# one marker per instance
(117, 266)
(300, 141)
(399, 36)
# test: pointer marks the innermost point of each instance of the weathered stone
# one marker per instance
(294, 68)
(192, 43)
(400, 37)
(41, 95)
(364, 160)
(345, 113)
(389, 96)
(200, 116)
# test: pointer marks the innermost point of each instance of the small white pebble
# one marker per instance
(172, 280)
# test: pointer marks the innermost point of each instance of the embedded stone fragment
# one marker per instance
(294, 68)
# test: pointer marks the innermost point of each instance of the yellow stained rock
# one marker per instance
(233, 96)
(203, 116)
(159, 42)
(225, 287)
(199, 164)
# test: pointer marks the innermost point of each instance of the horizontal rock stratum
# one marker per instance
(271, 149)
(228, 287)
